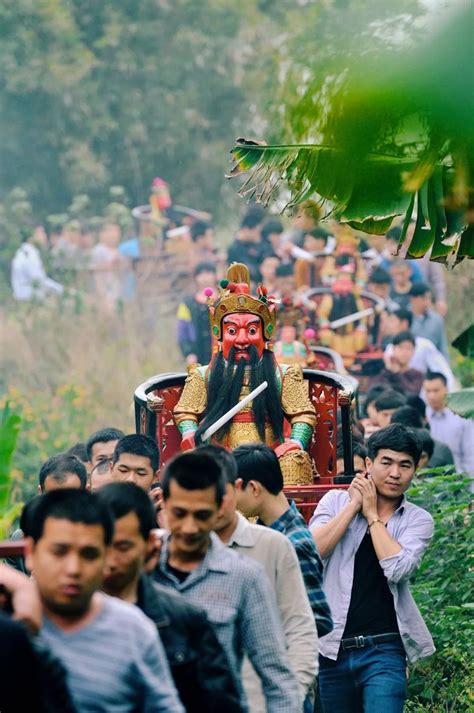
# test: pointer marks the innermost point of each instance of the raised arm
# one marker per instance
(328, 528)
(24, 597)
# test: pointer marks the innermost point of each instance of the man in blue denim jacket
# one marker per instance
(371, 540)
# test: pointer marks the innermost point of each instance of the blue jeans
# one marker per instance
(368, 680)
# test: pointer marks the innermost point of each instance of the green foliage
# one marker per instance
(100, 93)
(443, 589)
(462, 402)
(464, 342)
(378, 135)
(9, 429)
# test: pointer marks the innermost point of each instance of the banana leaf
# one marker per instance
(398, 133)
(462, 402)
(464, 342)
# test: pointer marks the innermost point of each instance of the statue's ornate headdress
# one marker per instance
(235, 297)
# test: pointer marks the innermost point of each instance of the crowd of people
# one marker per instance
(212, 612)
(200, 587)
(407, 362)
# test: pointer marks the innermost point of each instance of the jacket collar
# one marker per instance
(243, 535)
(218, 559)
(150, 603)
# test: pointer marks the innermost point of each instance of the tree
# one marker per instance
(104, 93)
(378, 135)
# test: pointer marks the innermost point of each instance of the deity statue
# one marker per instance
(337, 330)
(282, 416)
(294, 337)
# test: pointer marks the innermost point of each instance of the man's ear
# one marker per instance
(368, 464)
(238, 484)
(29, 548)
(255, 487)
(40, 491)
(150, 545)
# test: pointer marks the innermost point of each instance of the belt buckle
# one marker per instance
(360, 642)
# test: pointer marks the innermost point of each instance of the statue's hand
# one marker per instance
(187, 442)
(286, 447)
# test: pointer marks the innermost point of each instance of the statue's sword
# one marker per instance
(351, 318)
(235, 409)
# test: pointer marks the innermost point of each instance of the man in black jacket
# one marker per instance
(198, 663)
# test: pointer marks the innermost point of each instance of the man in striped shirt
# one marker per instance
(113, 657)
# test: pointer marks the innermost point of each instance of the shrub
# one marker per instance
(443, 589)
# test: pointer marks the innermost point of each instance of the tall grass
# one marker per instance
(69, 372)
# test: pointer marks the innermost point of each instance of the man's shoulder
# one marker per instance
(266, 534)
(229, 562)
(330, 504)
(337, 497)
(416, 514)
(434, 317)
(127, 616)
(174, 602)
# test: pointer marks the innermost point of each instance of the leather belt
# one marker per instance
(360, 642)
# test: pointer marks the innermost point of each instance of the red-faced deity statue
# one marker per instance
(242, 331)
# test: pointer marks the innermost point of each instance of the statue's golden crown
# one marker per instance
(235, 297)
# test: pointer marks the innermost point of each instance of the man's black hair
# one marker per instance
(58, 466)
(389, 400)
(271, 226)
(105, 435)
(374, 392)
(395, 437)
(28, 514)
(256, 461)
(80, 451)
(267, 255)
(418, 289)
(251, 220)
(257, 210)
(407, 415)
(319, 233)
(139, 445)
(26, 232)
(394, 233)
(432, 375)
(404, 314)
(358, 449)
(403, 337)
(225, 460)
(194, 470)
(125, 498)
(204, 266)
(285, 270)
(416, 402)
(379, 276)
(78, 506)
(198, 229)
(426, 442)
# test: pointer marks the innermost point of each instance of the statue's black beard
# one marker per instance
(342, 306)
(225, 385)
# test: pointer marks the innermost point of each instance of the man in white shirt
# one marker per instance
(426, 356)
(448, 427)
(28, 277)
